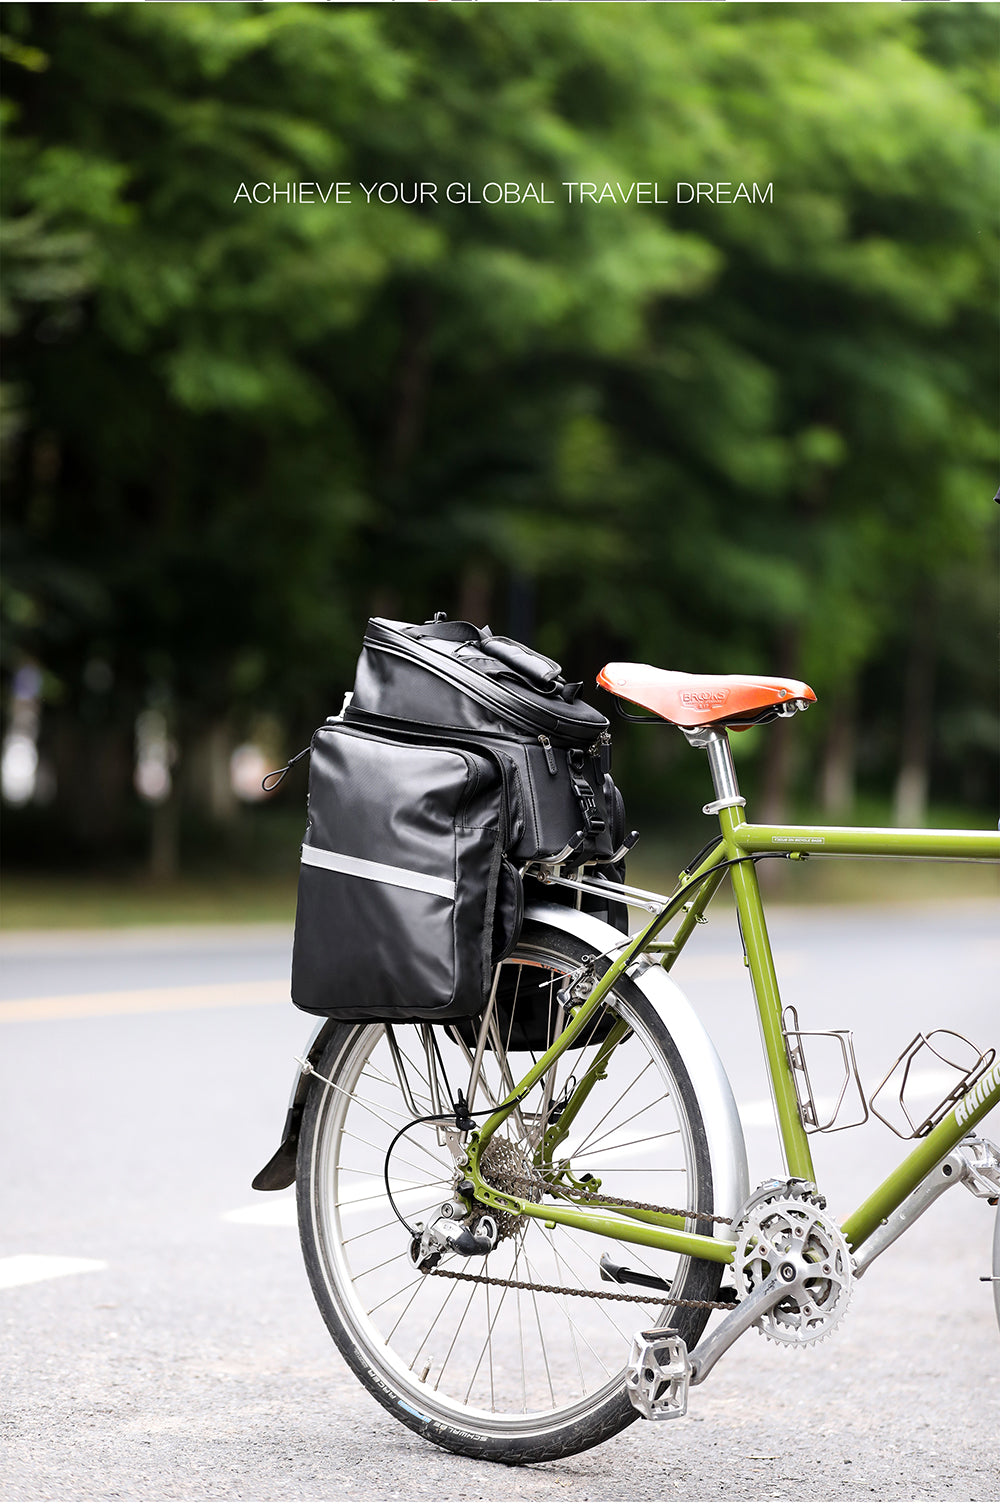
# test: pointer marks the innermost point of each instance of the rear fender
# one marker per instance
(712, 1089)
(280, 1170)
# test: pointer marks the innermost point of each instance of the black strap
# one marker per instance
(452, 632)
(584, 792)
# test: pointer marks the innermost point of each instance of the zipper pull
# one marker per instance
(550, 758)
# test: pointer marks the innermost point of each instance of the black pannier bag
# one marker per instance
(459, 758)
(406, 899)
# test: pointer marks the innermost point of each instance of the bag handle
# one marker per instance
(540, 672)
(536, 668)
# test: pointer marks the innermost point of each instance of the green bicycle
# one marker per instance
(517, 1230)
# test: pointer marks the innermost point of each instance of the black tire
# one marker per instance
(547, 1381)
(996, 1265)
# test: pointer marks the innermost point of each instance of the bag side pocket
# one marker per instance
(397, 887)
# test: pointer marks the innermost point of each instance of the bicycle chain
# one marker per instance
(579, 1292)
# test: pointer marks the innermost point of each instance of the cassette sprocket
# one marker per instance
(794, 1225)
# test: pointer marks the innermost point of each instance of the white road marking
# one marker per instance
(277, 1212)
(15, 1271)
(281, 1211)
(144, 1001)
(757, 1113)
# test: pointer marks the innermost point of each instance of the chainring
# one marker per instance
(794, 1225)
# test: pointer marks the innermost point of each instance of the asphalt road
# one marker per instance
(176, 1354)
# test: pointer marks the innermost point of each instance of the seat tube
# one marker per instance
(760, 961)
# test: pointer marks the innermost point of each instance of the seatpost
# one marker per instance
(720, 762)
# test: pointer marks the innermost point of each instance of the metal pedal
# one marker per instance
(981, 1172)
(658, 1374)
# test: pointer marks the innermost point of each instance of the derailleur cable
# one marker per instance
(464, 1119)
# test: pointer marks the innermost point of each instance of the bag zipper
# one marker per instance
(550, 758)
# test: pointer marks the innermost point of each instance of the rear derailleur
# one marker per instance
(450, 1231)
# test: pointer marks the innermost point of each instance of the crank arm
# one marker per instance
(781, 1281)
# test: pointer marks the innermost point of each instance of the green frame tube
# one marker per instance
(740, 843)
(925, 1156)
(864, 842)
(745, 839)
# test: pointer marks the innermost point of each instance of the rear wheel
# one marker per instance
(496, 1372)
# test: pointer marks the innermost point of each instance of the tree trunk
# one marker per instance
(778, 770)
(164, 845)
(521, 598)
(779, 745)
(475, 594)
(838, 769)
(208, 780)
(780, 759)
(912, 781)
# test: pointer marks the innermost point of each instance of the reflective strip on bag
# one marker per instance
(382, 873)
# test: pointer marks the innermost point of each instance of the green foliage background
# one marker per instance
(710, 437)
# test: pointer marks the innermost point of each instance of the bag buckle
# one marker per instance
(585, 793)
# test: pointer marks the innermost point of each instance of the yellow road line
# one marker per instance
(144, 1001)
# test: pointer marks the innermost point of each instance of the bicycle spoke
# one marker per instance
(450, 1291)
(438, 1161)
(573, 1340)
(627, 1090)
(402, 1316)
(541, 1338)
(397, 1294)
(359, 1276)
(570, 1321)
(487, 1343)
(646, 1140)
(380, 1195)
(458, 1328)
(375, 1229)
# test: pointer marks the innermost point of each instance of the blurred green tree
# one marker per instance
(717, 436)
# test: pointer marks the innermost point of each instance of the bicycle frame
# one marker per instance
(740, 843)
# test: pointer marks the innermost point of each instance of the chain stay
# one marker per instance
(577, 1292)
(621, 1203)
